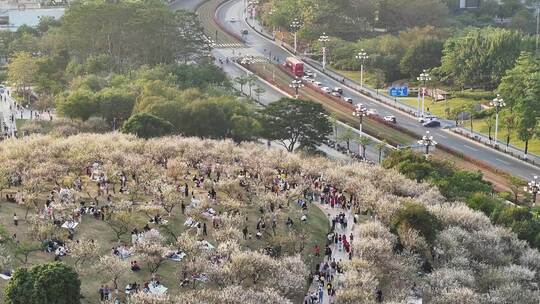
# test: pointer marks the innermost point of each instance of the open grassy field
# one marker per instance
(315, 230)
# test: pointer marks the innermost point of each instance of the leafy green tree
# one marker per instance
(21, 71)
(128, 33)
(463, 184)
(50, 283)
(346, 136)
(79, 104)
(506, 215)
(424, 54)
(481, 56)
(242, 81)
(292, 122)
(381, 147)
(484, 202)
(198, 76)
(364, 141)
(417, 217)
(115, 104)
(147, 126)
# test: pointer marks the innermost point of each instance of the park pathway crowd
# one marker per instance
(338, 252)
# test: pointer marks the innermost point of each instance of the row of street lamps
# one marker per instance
(427, 140)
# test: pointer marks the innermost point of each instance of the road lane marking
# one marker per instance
(502, 161)
(474, 149)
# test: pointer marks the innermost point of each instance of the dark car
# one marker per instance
(432, 124)
(244, 32)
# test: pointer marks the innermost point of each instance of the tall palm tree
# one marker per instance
(364, 141)
(347, 136)
(380, 147)
(334, 122)
(251, 80)
(241, 80)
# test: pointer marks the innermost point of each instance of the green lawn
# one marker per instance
(315, 230)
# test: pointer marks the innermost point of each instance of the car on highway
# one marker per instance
(308, 79)
(232, 19)
(317, 83)
(309, 73)
(244, 32)
(335, 94)
(426, 118)
(327, 90)
(432, 124)
(390, 118)
(348, 99)
(372, 112)
(338, 89)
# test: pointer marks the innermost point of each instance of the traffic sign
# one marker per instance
(399, 91)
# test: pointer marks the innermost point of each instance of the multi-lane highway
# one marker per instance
(231, 15)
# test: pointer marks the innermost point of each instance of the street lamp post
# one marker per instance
(498, 103)
(296, 84)
(424, 77)
(362, 56)
(360, 112)
(427, 141)
(295, 26)
(324, 39)
(533, 187)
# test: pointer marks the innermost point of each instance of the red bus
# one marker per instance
(294, 65)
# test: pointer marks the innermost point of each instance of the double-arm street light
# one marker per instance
(360, 112)
(424, 77)
(295, 27)
(324, 39)
(497, 103)
(296, 84)
(427, 141)
(533, 187)
(362, 56)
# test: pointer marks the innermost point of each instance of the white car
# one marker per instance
(336, 94)
(317, 83)
(348, 99)
(308, 79)
(390, 118)
(372, 112)
(326, 89)
(426, 118)
(232, 19)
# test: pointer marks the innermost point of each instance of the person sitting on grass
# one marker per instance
(135, 266)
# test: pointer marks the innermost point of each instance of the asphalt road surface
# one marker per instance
(258, 45)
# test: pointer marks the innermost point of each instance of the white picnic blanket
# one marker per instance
(70, 225)
(191, 223)
(157, 289)
(204, 245)
(209, 212)
(178, 257)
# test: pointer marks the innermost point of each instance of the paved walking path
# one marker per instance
(7, 108)
(340, 256)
